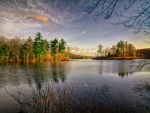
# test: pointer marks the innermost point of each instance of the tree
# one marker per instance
(100, 47)
(39, 46)
(27, 49)
(17, 49)
(15, 45)
(4, 52)
(131, 50)
(61, 45)
(117, 52)
(106, 51)
(113, 49)
(54, 46)
(121, 46)
(109, 54)
(4, 49)
(126, 48)
(47, 45)
(68, 50)
(137, 20)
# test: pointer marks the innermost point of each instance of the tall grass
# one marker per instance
(66, 100)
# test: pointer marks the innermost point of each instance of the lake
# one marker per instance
(82, 74)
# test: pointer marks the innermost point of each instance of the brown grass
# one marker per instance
(65, 100)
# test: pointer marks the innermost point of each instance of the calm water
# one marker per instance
(24, 77)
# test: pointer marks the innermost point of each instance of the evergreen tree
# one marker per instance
(39, 46)
(54, 46)
(62, 45)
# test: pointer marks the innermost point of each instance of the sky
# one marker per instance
(64, 19)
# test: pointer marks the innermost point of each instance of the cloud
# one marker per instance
(39, 18)
(105, 32)
(83, 32)
(79, 49)
(130, 30)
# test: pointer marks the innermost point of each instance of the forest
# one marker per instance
(122, 49)
(32, 50)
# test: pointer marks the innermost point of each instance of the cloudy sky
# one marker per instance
(64, 19)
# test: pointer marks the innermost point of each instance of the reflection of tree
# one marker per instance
(10, 74)
(62, 73)
(39, 74)
(30, 73)
(101, 67)
(58, 72)
(142, 64)
(123, 74)
(54, 73)
(143, 89)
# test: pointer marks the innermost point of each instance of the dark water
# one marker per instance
(118, 74)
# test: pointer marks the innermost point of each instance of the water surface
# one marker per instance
(82, 74)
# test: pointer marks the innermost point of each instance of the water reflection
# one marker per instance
(37, 75)
(10, 74)
(124, 74)
(120, 67)
(101, 67)
(58, 72)
(32, 73)
(143, 90)
(45, 72)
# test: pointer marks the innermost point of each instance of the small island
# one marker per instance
(122, 51)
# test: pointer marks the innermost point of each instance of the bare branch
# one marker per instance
(139, 19)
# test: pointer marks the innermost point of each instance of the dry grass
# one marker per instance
(65, 100)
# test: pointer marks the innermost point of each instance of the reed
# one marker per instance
(58, 99)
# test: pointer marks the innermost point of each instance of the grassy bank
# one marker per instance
(43, 58)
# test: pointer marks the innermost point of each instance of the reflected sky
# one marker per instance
(82, 74)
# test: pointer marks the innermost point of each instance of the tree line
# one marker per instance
(37, 49)
(122, 49)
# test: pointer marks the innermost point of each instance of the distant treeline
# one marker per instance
(122, 49)
(32, 50)
(75, 56)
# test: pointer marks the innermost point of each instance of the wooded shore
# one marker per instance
(116, 58)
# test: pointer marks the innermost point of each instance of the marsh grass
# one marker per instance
(65, 100)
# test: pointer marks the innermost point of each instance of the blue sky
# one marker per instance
(64, 19)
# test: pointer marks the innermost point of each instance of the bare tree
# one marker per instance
(100, 47)
(138, 19)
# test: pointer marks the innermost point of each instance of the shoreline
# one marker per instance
(117, 58)
(34, 60)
